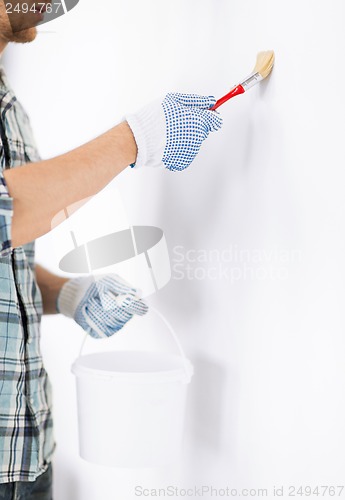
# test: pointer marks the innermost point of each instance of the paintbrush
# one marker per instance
(263, 67)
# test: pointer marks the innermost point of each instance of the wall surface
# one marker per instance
(255, 229)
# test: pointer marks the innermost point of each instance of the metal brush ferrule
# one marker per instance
(251, 80)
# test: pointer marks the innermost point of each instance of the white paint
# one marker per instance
(267, 405)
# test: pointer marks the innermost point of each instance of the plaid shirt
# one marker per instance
(26, 438)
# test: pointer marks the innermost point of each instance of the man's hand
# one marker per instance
(101, 305)
(170, 132)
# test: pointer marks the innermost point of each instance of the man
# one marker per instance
(166, 133)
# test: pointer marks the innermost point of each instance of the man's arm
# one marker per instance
(41, 190)
(50, 286)
(168, 133)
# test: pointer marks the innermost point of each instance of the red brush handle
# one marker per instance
(233, 92)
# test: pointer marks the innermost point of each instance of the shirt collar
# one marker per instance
(7, 97)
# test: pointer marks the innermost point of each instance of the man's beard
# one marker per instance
(9, 33)
(23, 36)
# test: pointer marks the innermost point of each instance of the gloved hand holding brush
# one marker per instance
(170, 132)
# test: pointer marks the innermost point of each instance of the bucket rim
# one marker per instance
(183, 373)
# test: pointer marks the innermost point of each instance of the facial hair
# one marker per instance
(6, 32)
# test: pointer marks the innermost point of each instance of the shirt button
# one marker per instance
(32, 401)
(29, 340)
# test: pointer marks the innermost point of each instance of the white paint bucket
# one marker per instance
(131, 406)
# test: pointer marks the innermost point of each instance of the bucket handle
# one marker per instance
(171, 331)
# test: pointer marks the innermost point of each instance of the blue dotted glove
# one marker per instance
(102, 305)
(170, 132)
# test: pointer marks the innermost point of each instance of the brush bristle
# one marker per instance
(264, 63)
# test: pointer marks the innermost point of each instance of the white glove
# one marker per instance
(170, 132)
(100, 306)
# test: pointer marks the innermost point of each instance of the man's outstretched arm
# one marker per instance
(41, 190)
(167, 134)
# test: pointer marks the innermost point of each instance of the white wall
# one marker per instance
(265, 327)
